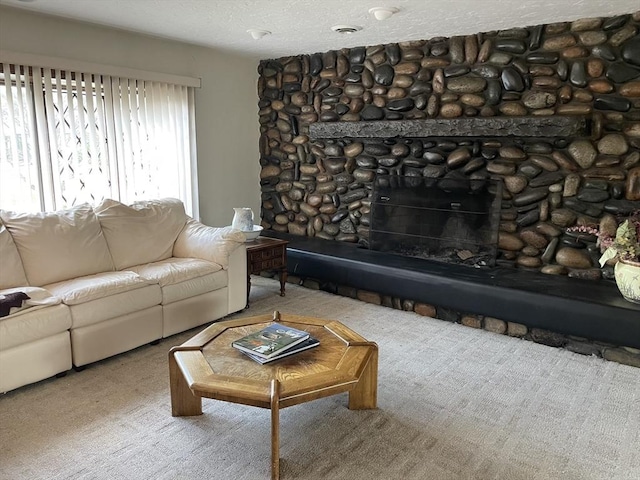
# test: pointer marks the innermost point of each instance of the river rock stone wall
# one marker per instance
(589, 67)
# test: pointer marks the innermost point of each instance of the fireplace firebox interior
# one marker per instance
(449, 220)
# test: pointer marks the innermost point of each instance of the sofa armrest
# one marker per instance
(237, 279)
(208, 243)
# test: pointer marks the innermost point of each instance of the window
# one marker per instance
(73, 137)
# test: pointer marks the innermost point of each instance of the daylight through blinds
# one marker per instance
(71, 137)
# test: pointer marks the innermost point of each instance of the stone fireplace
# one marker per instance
(545, 118)
(551, 111)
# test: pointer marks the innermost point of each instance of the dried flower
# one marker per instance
(624, 245)
(589, 230)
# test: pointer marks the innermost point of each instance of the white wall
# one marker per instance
(227, 126)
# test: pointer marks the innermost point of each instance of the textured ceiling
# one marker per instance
(304, 26)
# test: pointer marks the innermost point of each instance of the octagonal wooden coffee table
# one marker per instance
(208, 366)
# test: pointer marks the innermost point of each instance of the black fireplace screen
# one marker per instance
(452, 220)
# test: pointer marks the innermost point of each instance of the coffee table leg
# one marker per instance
(275, 429)
(365, 393)
(183, 401)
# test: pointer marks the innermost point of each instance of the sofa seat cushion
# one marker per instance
(182, 278)
(44, 317)
(113, 306)
(93, 287)
(56, 246)
(38, 298)
(194, 287)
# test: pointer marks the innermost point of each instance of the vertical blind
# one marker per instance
(70, 137)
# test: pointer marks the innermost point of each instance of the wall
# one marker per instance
(226, 124)
(588, 68)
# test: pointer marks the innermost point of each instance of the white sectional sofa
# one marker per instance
(103, 280)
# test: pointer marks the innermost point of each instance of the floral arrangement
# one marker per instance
(624, 245)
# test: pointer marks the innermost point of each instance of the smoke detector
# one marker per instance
(257, 34)
(346, 28)
(382, 13)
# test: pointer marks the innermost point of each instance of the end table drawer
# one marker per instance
(266, 254)
(268, 258)
(257, 267)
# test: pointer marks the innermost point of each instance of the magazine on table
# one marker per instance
(301, 347)
(270, 341)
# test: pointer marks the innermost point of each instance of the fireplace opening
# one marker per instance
(452, 220)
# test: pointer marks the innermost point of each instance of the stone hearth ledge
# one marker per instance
(584, 308)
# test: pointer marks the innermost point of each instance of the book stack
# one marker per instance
(274, 342)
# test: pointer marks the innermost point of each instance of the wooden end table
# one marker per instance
(266, 253)
(208, 366)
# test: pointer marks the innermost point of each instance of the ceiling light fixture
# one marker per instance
(382, 13)
(346, 28)
(257, 34)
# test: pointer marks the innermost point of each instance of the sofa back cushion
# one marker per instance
(143, 232)
(11, 270)
(56, 246)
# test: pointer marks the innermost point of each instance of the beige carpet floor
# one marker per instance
(454, 403)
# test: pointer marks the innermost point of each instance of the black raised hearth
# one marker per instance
(594, 310)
